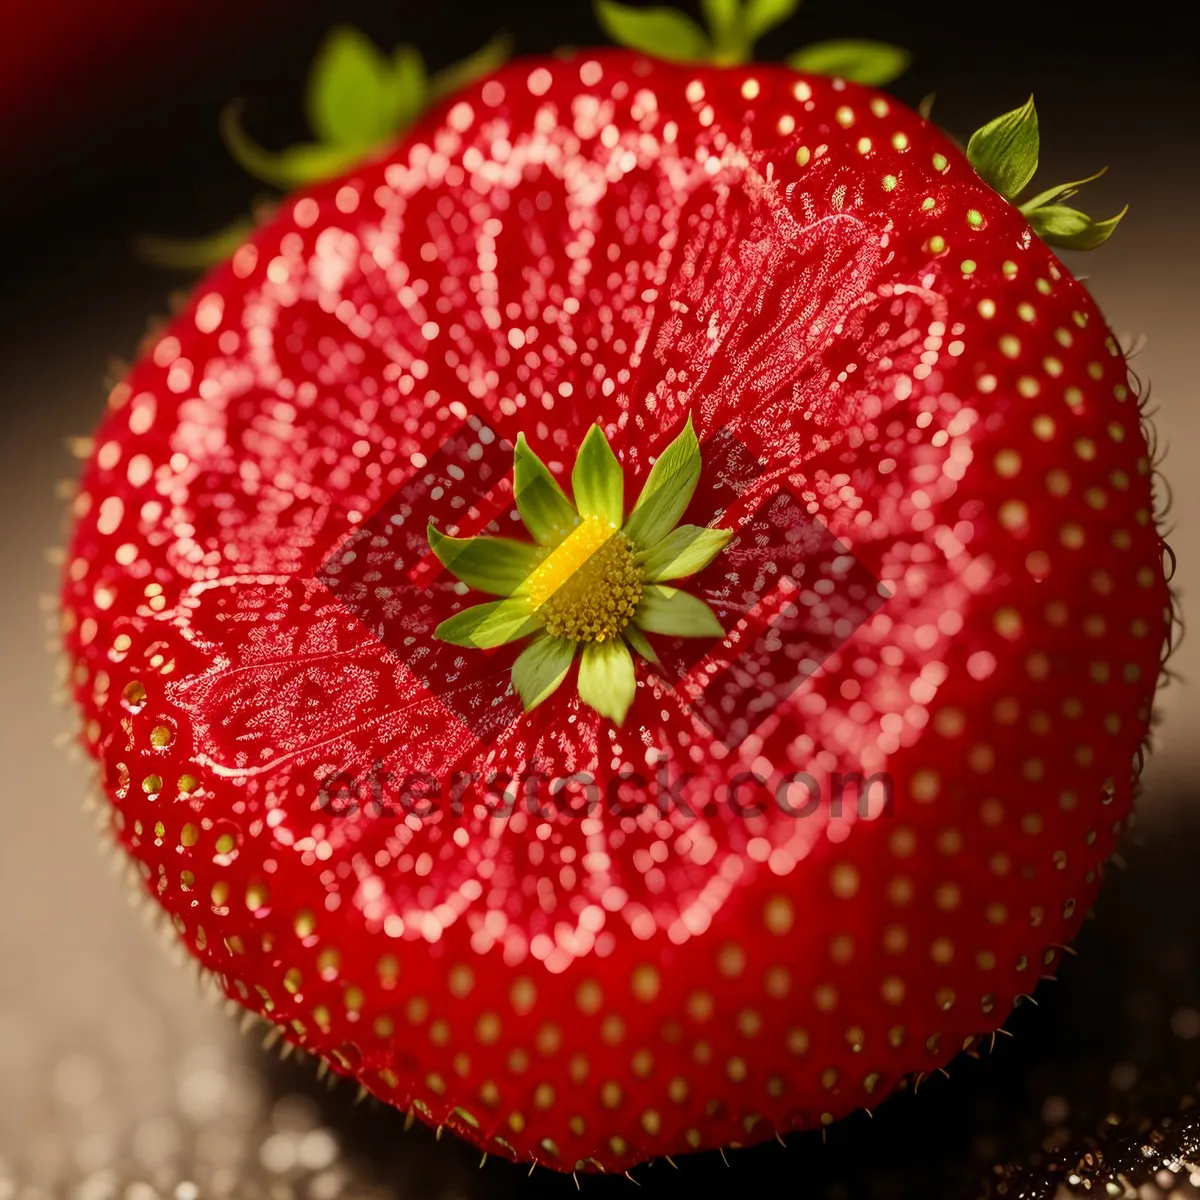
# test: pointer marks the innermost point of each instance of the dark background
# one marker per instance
(116, 1071)
(120, 135)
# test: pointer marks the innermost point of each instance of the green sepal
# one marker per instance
(1061, 192)
(293, 167)
(353, 96)
(680, 614)
(484, 61)
(199, 253)
(540, 669)
(405, 92)
(486, 626)
(597, 481)
(1069, 229)
(606, 678)
(684, 551)
(857, 60)
(667, 491)
(547, 513)
(494, 565)
(638, 641)
(660, 32)
(1004, 152)
(356, 100)
(725, 27)
(761, 16)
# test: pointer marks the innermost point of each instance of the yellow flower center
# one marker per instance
(587, 587)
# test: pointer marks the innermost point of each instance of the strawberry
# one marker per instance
(600, 333)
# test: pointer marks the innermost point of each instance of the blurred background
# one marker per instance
(117, 1076)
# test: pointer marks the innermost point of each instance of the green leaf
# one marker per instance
(684, 551)
(668, 610)
(195, 254)
(494, 565)
(1004, 152)
(597, 480)
(483, 62)
(659, 32)
(639, 642)
(1070, 229)
(405, 91)
(297, 166)
(1061, 192)
(761, 16)
(606, 679)
(346, 88)
(667, 491)
(540, 668)
(486, 626)
(854, 59)
(548, 514)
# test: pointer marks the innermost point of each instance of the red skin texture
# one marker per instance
(595, 993)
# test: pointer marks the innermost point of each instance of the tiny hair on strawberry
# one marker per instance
(623, 613)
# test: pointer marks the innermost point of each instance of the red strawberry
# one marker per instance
(890, 379)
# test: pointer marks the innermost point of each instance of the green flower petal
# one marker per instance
(495, 565)
(484, 61)
(855, 59)
(488, 625)
(1004, 152)
(667, 492)
(680, 614)
(548, 514)
(597, 480)
(345, 96)
(606, 679)
(684, 551)
(540, 668)
(660, 32)
(1058, 225)
(639, 642)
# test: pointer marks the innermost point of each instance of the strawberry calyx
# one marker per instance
(733, 29)
(592, 582)
(358, 99)
(1004, 153)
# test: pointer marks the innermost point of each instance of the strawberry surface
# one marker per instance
(945, 577)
